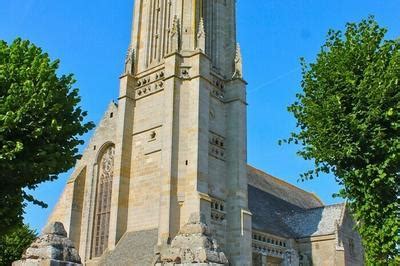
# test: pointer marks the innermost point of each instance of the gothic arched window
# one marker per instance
(103, 201)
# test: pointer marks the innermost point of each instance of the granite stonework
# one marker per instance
(174, 145)
(193, 244)
(52, 248)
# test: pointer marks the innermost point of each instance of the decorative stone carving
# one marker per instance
(185, 72)
(212, 114)
(201, 37)
(238, 74)
(217, 93)
(193, 245)
(175, 35)
(107, 165)
(149, 90)
(129, 61)
(219, 84)
(146, 84)
(51, 248)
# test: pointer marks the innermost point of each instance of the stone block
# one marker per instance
(32, 262)
(52, 248)
(193, 245)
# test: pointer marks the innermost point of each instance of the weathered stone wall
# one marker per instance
(350, 242)
(319, 250)
(75, 206)
(145, 173)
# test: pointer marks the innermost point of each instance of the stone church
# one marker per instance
(164, 179)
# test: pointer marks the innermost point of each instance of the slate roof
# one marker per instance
(315, 222)
(267, 211)
(279, 217)
(282, 189)
(134, 248)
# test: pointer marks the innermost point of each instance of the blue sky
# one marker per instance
(91, 38)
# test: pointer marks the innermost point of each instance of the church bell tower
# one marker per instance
(180, 148)
(164, 177)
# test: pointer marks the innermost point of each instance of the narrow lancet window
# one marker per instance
(103, 201)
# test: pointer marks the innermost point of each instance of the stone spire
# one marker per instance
(165, 26)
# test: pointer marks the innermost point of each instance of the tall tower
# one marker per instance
(181, 133)
(182, 129)
(174, 149)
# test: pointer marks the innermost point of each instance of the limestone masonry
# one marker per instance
(164, 179)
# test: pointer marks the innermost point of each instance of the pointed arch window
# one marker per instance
(103, 201)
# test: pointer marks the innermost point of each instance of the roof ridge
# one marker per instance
(328, 206)
(287, 183)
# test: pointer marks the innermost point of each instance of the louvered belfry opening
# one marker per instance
(103, 201)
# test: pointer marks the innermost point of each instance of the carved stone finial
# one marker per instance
(201, 36)
(175, 35)
(238, 63)
(130, 61)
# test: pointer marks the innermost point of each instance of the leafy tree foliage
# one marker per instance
(14, 243)
(40, 125)
(348, 117)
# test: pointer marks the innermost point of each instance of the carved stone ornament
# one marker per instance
(107, 165)
(238, 64)
(129, 61)
(201, 37)
(175, 35)
(185, 72)
(51, 248)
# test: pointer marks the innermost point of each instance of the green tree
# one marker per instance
(40, 125)
(348, 120)
(14, 243)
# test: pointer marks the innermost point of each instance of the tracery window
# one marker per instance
(103, 201)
